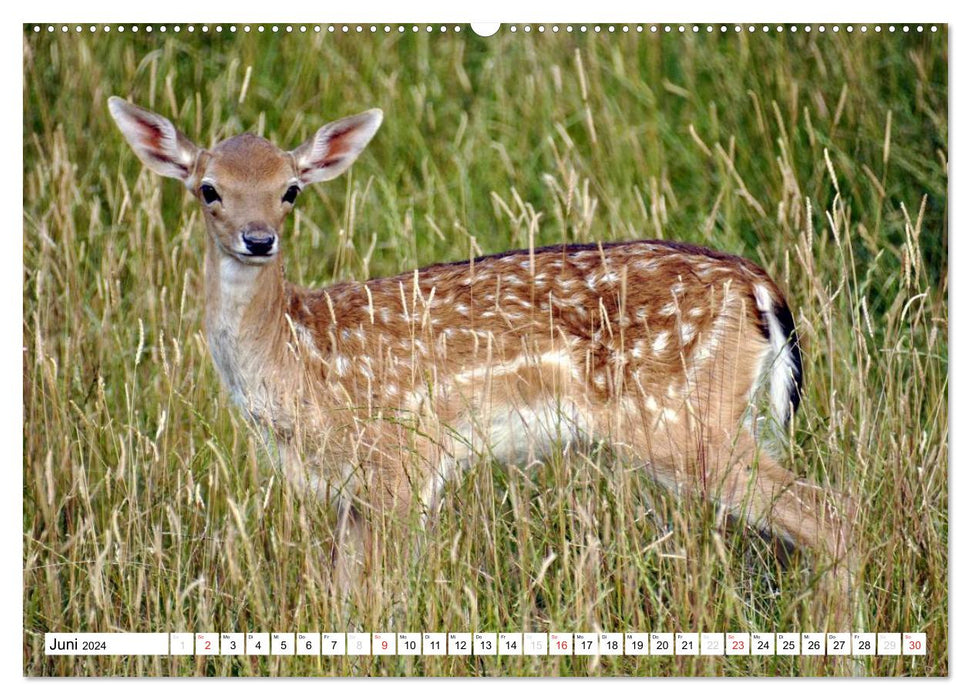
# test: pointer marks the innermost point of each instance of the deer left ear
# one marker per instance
(335, 146)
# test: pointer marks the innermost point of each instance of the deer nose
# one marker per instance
(259, 242)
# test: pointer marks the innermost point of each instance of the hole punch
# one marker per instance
(485, 28)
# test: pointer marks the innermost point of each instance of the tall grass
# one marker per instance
(150, 505)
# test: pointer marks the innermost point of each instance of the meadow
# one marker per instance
(149, 503)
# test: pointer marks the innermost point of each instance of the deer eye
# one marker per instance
(291, 194)
(209, 194)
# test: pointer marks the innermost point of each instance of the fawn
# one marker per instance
(377, 392)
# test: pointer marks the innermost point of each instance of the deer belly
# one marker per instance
(517, 411)
(518, 434)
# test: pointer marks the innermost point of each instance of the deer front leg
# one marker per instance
(379, 519)
(349, 552)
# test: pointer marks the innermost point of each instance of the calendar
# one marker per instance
(362, 348)
(485, 644)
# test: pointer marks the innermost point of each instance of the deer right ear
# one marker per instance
(157, 143)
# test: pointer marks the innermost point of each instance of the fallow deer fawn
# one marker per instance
(377, 392)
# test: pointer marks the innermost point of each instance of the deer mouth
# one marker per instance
(268, 254)
(248, 258)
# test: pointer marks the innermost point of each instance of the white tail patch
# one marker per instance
(780, 364)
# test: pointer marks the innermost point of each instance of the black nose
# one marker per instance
(259, 242)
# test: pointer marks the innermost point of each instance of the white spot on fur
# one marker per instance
(365, 368)
(306, 340)
(512, 298)
(660, 342)
(706, 350)
(341, 365)
(669, 415)
(687, 333)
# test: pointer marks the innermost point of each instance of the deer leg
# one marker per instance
(349, 555)
(375, 530)
(754, 487)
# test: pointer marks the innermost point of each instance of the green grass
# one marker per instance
(150, 505)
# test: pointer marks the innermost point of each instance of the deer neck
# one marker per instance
(246, 329)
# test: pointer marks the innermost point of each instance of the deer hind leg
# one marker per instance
(752, 485)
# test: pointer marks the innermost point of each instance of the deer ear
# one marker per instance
(157, 143)
(335, 146)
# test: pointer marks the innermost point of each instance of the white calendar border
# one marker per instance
(11, 273)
